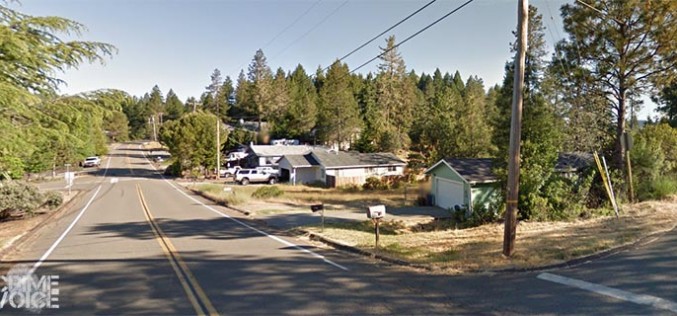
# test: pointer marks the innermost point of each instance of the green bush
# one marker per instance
(18, 198)
(174, 169)
(267, 192)
(53, 199)
(660, 188)
(373, 183)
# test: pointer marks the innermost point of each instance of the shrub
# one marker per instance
(267, 192)
(373, 183)
(350, 188)
(660, 188)
(53, 199)
(174, 169)
(18, 198)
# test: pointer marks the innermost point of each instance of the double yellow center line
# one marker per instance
(196, 295)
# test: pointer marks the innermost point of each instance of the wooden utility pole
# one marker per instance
(516, 129)
(218, 139)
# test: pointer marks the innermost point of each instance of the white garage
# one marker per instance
(448, 193)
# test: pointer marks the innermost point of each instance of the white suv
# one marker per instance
(246, 176)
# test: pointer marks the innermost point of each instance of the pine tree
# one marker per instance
(540, 137)
(156, 103)
(173, 106)
(279, 102)
(369, 114)
(243, 98)
(261, 78)
(623, 47)
(301, 114)
(338, 118)
(395, 98)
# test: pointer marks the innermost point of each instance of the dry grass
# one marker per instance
(537, 244)
(235, 196)
(337, 198)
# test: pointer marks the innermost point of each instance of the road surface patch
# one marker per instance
(194, 291)
(642, 299)
(273, 237)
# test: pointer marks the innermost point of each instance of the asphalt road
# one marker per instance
(138, 244)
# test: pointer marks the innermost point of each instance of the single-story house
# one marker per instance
(569, 164)
(471, 181)
(463, 182)
(270, 155)
(337, 168)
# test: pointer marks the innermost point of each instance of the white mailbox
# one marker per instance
(378, 211)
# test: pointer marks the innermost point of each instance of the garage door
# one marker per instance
(449, 193)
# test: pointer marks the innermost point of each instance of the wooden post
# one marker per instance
(376, 222)
(515, 130)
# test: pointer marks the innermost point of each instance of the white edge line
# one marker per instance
(653, 301)
(63, 235)
(70, 227)
(273, 237)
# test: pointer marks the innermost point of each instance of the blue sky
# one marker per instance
(177, 43)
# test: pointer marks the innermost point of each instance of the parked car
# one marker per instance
(91, 162)
(246, 176)
(270, 170)
(236, 155)
(229, 172)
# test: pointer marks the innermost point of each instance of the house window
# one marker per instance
(392, 169)
(371, 170)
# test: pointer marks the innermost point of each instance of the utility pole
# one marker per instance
(218, 140)
(516, 129)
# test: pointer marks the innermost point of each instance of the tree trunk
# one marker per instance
(618, 161)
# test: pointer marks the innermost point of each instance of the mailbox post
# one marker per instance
(69, 178)
(318, 207)
(376, 213)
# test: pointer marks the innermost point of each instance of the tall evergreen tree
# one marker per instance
(540, 137)
(369, 112)
(243, 98)
(338, 118)
(301, 114)
(261, 78)
(279, 102)
(173, 106)
(620, 48)
(395, 99)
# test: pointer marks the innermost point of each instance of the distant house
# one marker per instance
(339, 168)
(270, 155)
(471, 181)
(569, 164)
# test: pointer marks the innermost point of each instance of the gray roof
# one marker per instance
(279, 150)
(339, 159)
(474, 170)
(299, 161)
(573, 161)
(480, 170)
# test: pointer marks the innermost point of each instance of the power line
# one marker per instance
(599, 11)
(414, 35)
(311, 29)
(292, 23)
(286, 28)
(381, 34)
